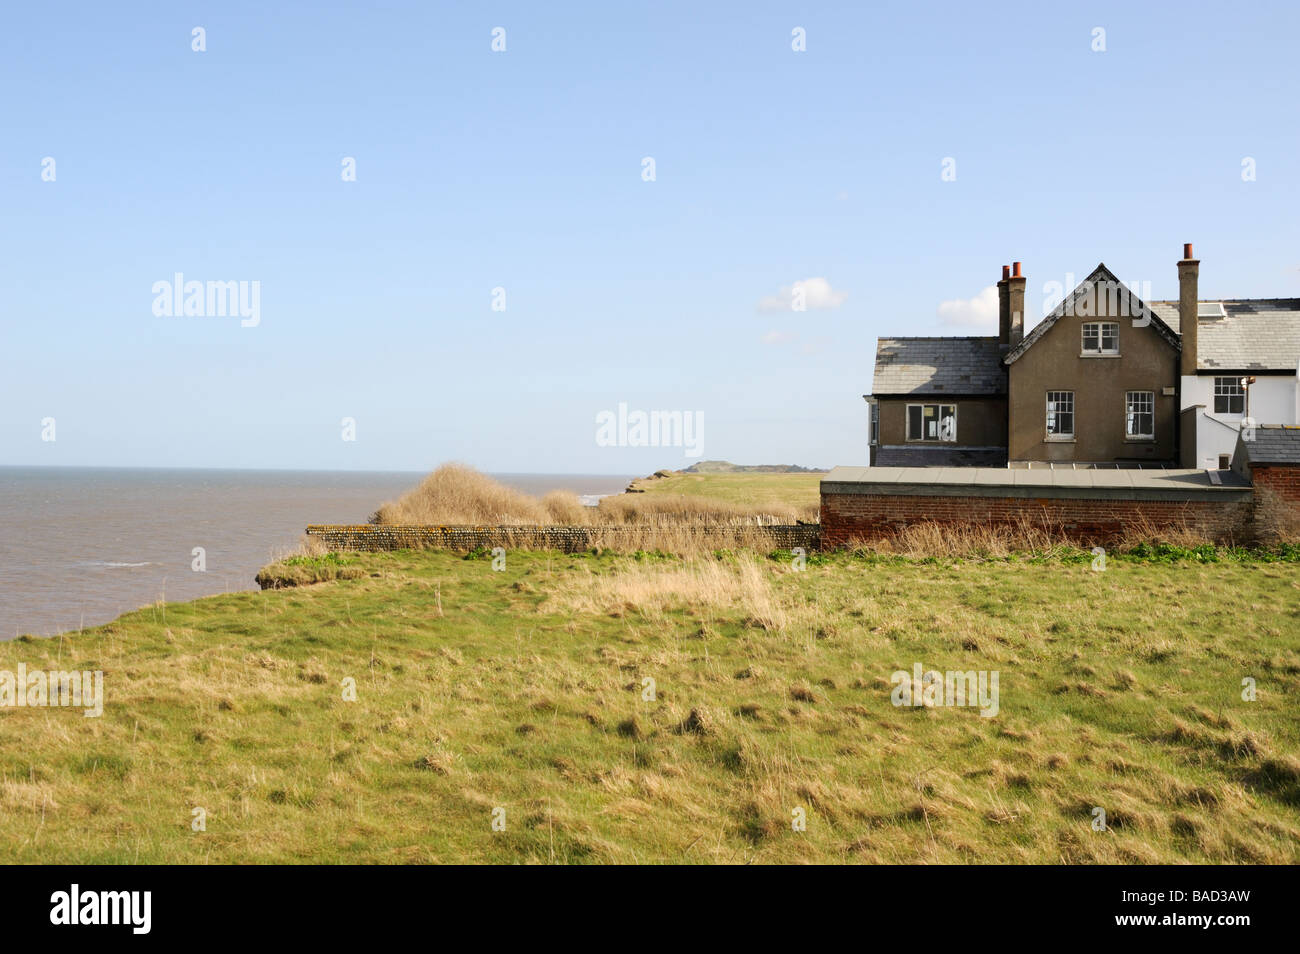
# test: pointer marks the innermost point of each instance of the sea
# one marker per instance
(79, 546)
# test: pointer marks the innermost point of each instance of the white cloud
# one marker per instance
(777, 337)
(816, 294)
(979, 313)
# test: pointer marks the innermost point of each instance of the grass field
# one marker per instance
(523, 690)
(799, 491)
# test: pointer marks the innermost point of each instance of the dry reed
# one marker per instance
(1000, 540)
(651, 591)
(456, 495)
(1276, 519)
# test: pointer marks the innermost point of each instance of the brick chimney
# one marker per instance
(1004, 310)
(1015, 305)
(1188, 272)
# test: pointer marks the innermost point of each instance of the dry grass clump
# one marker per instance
(931, 539)
(1143, 530)
(682, 540)
(665, 510)
(457, 495)
(654, 590)
(565, 509)
(1277, 520)
(928, 539)
(307, 546)
(997, 541)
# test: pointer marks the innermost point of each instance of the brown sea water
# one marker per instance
(80, 546)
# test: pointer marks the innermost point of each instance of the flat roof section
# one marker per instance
(1090, 484)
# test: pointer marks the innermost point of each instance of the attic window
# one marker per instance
(1101, 337)
(1210, 309)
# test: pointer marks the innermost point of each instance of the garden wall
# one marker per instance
(568, 539)
(1087, 506)
(1284, 479)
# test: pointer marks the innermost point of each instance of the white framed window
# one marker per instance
(1229, 396)
(875, 423)
(1060, 415)
(1101, 337)
(1140, 415)
(932, 422)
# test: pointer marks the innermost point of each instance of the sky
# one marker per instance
(506, 269)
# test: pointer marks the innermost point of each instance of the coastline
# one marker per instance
(86, 544)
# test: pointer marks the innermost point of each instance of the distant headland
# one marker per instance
(727, 467)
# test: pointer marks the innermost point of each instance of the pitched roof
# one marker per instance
(1259, 334)
(1272, 445)
(939, 366)
(1071, 304)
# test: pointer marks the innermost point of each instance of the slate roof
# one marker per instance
(1258, 334)
(1272, 445)
(939, 366)
(1069, 305)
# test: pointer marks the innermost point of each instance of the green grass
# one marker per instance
(522, 690)
(801, 491)
(304, 569)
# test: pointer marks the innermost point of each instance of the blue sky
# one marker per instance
(522, 170)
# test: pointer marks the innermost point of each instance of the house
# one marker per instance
(1104, 379)
(1096, 381)
(1240, 365)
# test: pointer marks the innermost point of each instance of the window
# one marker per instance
(875, 423)
(932, 422)
(1225, 462)
(1060, 415)
(1229, 396)
(1101, 337)
(1140, 415)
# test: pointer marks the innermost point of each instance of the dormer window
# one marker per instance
(1101, 337)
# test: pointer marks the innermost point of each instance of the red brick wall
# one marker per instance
(1285, 480)
(847, 518)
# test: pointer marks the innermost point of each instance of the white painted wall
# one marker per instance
(1274, 399)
